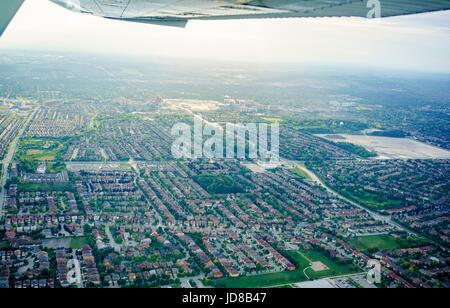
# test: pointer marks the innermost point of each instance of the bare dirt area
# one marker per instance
(392, 148)
(318, 266)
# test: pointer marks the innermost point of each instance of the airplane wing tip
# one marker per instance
(8, 9)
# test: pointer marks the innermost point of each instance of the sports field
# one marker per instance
(287, 277)
(380, 242)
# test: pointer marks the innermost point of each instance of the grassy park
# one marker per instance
(78, 242)
(334, 268)
(288, 277)
(381, 242)
(261, 280)
(384, 242)
(32, 151)
(300, 173)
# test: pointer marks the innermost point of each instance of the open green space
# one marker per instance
(384, 242)
(23, 187)
(218, 184)
(373, 200)
(356, 149)
(324, 126)
(300, 173)
(31, 151)
(262, 280)
(380, 242)
(287, 277)
(78, 242)
(335, 268)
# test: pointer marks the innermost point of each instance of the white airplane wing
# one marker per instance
(171, 12)
(179, 12)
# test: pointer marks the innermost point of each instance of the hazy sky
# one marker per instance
(419, 42)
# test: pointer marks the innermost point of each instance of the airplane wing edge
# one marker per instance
(8, 9)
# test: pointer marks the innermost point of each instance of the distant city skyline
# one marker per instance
(416, 42)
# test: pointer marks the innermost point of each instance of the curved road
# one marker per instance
(386, 219)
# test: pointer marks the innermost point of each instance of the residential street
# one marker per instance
(7, 161)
